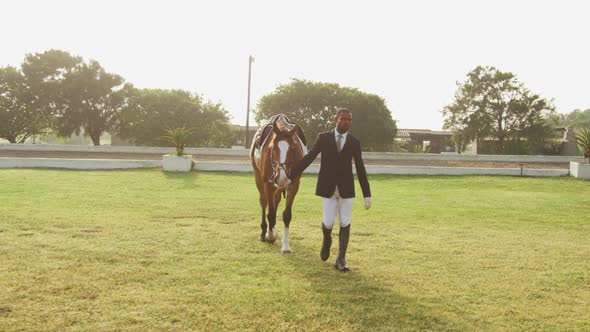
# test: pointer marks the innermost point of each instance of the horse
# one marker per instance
(276, 146)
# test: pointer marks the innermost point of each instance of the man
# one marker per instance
(336, 182)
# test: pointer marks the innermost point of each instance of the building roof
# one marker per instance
(408, 133)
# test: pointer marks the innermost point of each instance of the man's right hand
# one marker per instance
(367, 203)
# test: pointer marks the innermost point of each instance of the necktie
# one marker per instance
(339, 143)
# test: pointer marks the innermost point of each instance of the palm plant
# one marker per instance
(179, 137)
(583, 139)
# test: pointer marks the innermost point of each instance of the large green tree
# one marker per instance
(93, 100)
(150, 111)
(76, 95)
(45, 74)
(577, 119)
(492, 103)
(313, 105)
(19, 118)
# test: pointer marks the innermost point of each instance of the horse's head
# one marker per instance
(285, 150)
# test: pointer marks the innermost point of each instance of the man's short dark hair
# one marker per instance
(342, 110)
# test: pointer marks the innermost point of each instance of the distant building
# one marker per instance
(438, 140)
(241, 134)
(569, 145)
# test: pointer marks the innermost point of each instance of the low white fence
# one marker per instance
(244, 153)
(468, 158)
(401, 170)
(10, 162)
(121, 149)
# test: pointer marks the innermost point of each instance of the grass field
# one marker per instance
(144, 250)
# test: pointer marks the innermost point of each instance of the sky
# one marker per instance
(411, 53)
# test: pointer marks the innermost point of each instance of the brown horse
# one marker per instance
(273, 152)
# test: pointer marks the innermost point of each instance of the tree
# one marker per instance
(74, 94)
(93, 100)
(460, 139)
(577, 119)
(313, 106)
(19, 119)
(150, 111)
(491, 103)
(44, 74)
(218, 131)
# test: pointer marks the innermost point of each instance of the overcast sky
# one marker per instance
(411, 53)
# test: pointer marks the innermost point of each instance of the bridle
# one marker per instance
(277, 165)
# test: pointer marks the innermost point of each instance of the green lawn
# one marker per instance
(144, 250)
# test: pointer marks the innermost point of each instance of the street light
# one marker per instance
(250, 60)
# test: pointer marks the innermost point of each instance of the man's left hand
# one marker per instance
(367, 203)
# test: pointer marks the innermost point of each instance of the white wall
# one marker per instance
(87, 164)
(245, 152)
(10, 162)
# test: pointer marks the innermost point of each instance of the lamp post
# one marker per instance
(250, 60)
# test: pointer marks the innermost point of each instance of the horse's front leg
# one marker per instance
(263, 203)
(291, 192)
(272, 212)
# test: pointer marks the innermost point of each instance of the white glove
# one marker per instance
(367, 203)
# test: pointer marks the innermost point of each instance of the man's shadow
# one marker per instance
(359, 302)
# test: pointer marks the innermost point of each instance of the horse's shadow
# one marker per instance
(359, 302)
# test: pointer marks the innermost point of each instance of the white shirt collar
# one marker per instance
(343, 135)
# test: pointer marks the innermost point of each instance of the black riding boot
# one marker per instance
(326, 244)
(342, 246)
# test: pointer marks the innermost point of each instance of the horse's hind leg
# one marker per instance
(291, 192)
(263, 225)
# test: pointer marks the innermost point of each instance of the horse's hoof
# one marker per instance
(262, 238)
(286, 252)
(271, 241)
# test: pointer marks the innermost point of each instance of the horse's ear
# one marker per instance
(274, 126)
(294, 130)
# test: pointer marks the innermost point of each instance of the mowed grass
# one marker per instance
(146, 250)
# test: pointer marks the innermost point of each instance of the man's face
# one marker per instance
(344, 122)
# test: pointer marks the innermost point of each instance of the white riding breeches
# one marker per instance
(337, 205)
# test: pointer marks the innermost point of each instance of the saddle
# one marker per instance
(281, 121)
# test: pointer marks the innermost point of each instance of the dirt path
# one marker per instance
(155, 156)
